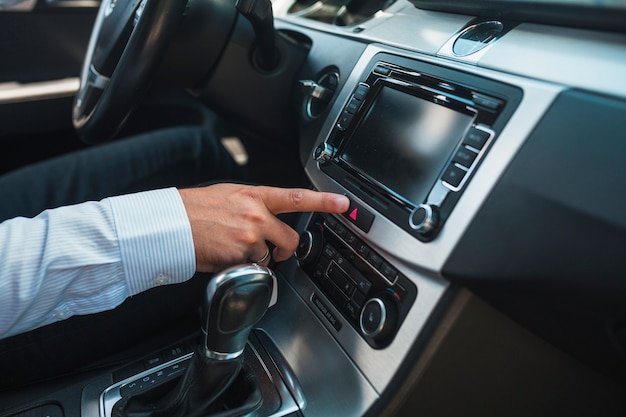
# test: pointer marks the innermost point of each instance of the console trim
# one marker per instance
(290, 397)
(110, 396)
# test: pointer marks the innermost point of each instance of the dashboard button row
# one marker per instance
(352, 275)
(353, 106)
(461, 162)
(363, 250)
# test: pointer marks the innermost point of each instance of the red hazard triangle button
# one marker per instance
(358, 215)
(354, 214)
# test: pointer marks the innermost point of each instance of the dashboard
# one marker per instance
(520, 208)
(479, 269)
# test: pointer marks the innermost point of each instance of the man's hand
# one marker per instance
(230, 223)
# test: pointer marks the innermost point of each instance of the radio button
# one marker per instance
(488, 102)
(361, 91)
(453, 175)
(379, 69)
(476, 138)
(344, 120)
(465, 157)
(353, 105)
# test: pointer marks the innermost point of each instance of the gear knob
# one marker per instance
(236, 299)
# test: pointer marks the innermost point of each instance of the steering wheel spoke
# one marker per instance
(127, 42)
(89, 93)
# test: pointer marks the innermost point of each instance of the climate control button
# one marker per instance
(379, 318)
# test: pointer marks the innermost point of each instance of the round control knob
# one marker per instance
(379, 318)
(310, 246)
(424, 219)
(323, 153)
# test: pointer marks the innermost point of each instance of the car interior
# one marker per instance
(480, 269)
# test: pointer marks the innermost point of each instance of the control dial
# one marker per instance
(310, 247)
(425, 219)
(379, 318)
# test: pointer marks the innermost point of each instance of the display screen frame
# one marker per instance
(422, 99)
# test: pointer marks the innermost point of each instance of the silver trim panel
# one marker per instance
(45, 90)
(17, 5)
(73, 3)
(329, 379)
(569, 57)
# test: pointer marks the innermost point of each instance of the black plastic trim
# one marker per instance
(548, 245)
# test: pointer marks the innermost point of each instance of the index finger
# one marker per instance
(289, 200)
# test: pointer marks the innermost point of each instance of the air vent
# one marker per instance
(477, 37)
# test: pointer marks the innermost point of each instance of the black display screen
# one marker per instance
(403, 142)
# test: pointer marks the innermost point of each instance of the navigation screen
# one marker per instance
(404, 141)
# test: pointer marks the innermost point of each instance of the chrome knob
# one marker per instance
(310, 246)
(424, 219)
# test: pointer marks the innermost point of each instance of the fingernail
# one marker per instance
(342, 202)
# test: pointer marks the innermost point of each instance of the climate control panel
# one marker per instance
(372, 295)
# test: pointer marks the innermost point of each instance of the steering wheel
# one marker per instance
(129, 38)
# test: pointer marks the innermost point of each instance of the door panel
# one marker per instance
(41, 48)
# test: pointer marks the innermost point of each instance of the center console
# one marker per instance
(404, 139)
(404, 145)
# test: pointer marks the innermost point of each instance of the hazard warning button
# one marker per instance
(359, 216)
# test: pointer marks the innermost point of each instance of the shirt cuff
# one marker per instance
(155, 241)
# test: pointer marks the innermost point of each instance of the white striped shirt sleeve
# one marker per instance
(90, 257)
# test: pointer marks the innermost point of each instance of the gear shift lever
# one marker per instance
(235, 301)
